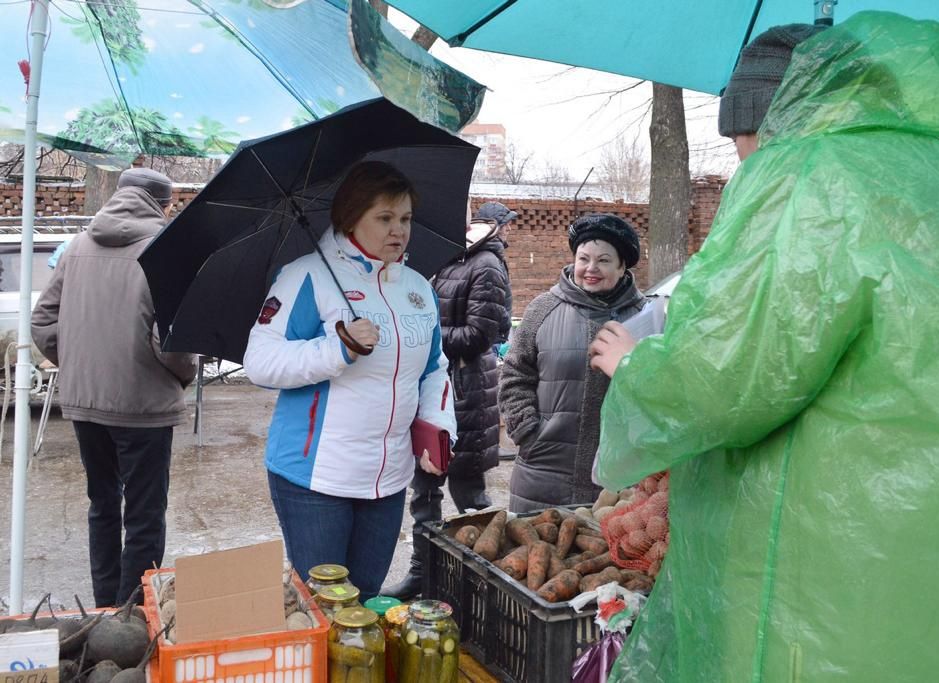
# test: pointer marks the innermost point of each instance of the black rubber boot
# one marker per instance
(426, 498)
(408, 588)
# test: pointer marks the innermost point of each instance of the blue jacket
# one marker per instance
(342, 427)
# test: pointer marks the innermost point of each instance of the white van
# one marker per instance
(44, 245)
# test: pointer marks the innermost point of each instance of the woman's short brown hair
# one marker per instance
(365, 182)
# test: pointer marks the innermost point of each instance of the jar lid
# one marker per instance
(329, 572)
(397, 615)
(355, 617)
(338, 592)
(380, 604)
(430, 610)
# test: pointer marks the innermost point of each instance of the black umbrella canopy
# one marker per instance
(210, 268)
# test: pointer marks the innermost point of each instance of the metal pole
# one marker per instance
(576, 194)
(24, 366)
(825, 12)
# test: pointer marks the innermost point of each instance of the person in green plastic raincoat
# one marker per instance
(794, 394)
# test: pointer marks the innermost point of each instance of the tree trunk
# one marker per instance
(670, 185)
(424, 37)
(99, 186)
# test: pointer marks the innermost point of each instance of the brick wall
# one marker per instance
(66, 199)
(537, 243)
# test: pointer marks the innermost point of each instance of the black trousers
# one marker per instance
(129, 465)
(468, 492)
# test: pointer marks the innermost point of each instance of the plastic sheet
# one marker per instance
(795, 391)
(594, 665)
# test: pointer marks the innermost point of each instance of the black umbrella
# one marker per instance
(210, 269)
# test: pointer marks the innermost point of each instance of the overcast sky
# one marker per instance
(565, 115)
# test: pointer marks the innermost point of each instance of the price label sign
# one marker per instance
(31, 657)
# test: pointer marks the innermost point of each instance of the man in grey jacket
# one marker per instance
(95, 320)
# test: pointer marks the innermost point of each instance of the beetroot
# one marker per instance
(103, 672)
(31, 624)
(120, 638)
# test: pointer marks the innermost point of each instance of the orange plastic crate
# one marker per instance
(280, 657)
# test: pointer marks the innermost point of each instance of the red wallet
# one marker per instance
(433, 439)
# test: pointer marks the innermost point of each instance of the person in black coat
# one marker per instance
(472, 294)
(503, 217)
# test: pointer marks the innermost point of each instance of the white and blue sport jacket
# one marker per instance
(342, 427)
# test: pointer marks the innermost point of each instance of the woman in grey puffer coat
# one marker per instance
(549, 397)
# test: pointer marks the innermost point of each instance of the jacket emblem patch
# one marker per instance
(416, 300)
(269, 310)
(354, 295)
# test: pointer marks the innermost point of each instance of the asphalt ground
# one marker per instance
(218, 495)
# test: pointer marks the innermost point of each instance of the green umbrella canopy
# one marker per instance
(691, 43)
(194, 78)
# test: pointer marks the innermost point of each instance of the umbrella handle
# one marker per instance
(350, 341)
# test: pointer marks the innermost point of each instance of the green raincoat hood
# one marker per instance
(795, 392)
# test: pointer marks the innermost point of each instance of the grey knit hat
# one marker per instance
(759, 72)
(158, 185)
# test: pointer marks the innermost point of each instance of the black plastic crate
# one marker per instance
(509, 629)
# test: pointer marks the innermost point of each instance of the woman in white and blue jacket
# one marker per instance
(339, 454)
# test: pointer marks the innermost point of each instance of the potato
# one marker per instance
(627, 494)
(299, 621)
(605, 499)
(167, 612)
(603, 513)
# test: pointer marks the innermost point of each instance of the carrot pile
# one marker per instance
(556, 555)
(637, 534)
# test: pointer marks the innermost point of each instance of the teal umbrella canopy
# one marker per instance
(186, 77)
(687, 43)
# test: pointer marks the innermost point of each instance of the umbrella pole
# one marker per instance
(24, 366)
(341, 330)
(825, 12)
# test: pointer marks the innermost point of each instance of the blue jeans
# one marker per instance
(359, 534)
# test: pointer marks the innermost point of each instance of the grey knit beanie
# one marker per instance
(759, 72)
(158, 185)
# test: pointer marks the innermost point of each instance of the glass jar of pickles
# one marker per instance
(430, 644)
(382, 605)
(335, 597)
(395, 618)
(356, 647)
(323, 575)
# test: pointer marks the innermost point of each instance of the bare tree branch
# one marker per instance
(515, 162)
(624, 170)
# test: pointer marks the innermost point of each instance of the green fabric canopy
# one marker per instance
(795, 392)
(686, 43)
(195, 77)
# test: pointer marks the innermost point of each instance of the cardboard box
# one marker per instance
(230, 593)
(29, 657)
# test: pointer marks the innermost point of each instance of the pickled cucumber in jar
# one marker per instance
(430, 644)
(330, 599)
(323, 575)
(356, 647)
(396, 617)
